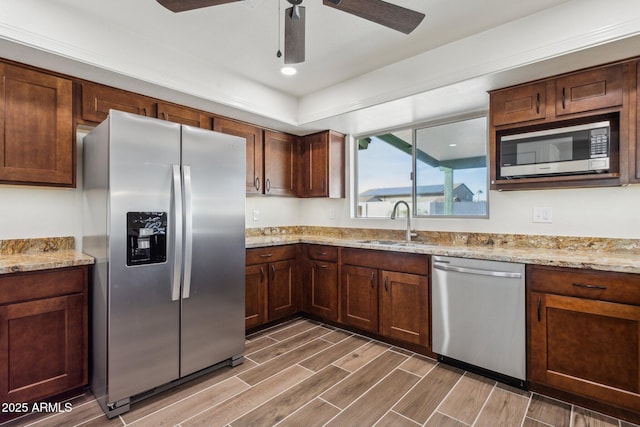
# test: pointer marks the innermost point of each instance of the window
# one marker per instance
(448, 162)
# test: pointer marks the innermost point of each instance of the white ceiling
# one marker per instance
(358, 76)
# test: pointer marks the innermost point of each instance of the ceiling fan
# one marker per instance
(378, 11)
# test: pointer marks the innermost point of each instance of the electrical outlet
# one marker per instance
(542, 214)
(332, 213)
(256, 215)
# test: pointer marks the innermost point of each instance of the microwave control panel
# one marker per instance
(599, 142)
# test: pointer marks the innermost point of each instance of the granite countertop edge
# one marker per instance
(24, 262)
(583, 259)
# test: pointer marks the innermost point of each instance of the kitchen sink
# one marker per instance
(395, 243)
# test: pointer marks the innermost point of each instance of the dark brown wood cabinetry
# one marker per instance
(279, 163)
(322, 165)
(37, 144)
(519, 104)
(183, 115)
(97, 100)
(43, 333)
(271, 284)
(602, 92)
(320, 286)
(255, 150)
(387, 293)
(584, 334)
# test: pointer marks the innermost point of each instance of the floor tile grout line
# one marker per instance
(50, 416)
(484, 405)
(374, 385)
(311, 373)
(446, 396)
(527, 410)
(188, 397)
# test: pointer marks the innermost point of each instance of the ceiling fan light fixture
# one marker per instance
(288, 70)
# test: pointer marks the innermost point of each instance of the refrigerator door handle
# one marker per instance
(188, 231)
(177, 224)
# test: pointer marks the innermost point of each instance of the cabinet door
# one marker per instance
(587, 347)
(97, 100)
(589, 90)
(404, 307)
(41, 348)
(255, 295)
(37, 145)
(283, 295)
(253, 135)
(322, 289)
(183, 115)
(315, 165)
(359, 288)
(518, 104)
(279, 164)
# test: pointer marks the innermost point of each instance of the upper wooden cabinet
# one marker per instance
(322, 165)
(97, 100)
(519, 104)
(255, 150)
(589, 90)
(183, 115)
(602, 93)
(279, 163)
(37, 144)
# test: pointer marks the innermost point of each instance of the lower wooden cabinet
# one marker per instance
(271, 284)
(386, 293)
(584, 334)
(320, 282)
(43, 333)
(404, 307)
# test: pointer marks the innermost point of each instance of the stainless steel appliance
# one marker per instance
(478, 316)
(578, 149)
(164, 218)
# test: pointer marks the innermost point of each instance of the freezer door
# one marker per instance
(212, 324)
(143, 320)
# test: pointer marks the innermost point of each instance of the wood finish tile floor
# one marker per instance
(304, 373)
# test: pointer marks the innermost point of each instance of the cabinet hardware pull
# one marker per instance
(268, 186)
(586, 286)
(266, 255)
(261, 274)
(258, 183)
(144, 112)
(538, 103)
(539, 318)
(322, 253)
(371, 279)
(563, 98)
(273, 272)
(386, 283)
(322, 266)
(323, 185)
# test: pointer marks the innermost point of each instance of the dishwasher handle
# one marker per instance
(467, 270)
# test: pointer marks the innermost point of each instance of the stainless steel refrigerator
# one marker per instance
(164, 217)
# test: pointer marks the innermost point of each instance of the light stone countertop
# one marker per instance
(18, 255)
(585, 259)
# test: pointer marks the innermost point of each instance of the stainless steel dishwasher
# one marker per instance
(478, 316)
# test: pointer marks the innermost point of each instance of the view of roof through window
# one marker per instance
(449, 169)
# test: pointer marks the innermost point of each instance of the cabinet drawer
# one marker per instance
(18, 287)
(322, 253)
(272, 253)
(387, 260)
(597, 285)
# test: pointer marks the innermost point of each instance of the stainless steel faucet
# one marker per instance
(394, 213)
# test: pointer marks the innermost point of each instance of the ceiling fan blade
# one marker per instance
(294, 35)
(395, 17)
(184, 5)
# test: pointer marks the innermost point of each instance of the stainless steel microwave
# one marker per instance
(578, 149)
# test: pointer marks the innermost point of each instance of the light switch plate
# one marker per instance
(542, 214)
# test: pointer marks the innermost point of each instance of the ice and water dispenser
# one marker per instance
(146, 238)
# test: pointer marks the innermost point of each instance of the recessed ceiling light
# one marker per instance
(288, 71)
(453, 145)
